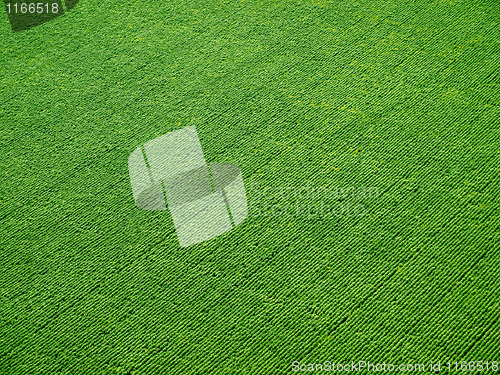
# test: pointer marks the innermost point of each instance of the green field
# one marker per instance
(400, 96)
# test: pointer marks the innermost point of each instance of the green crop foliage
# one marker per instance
(325, 96)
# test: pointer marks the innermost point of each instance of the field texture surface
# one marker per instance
(317, 102)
